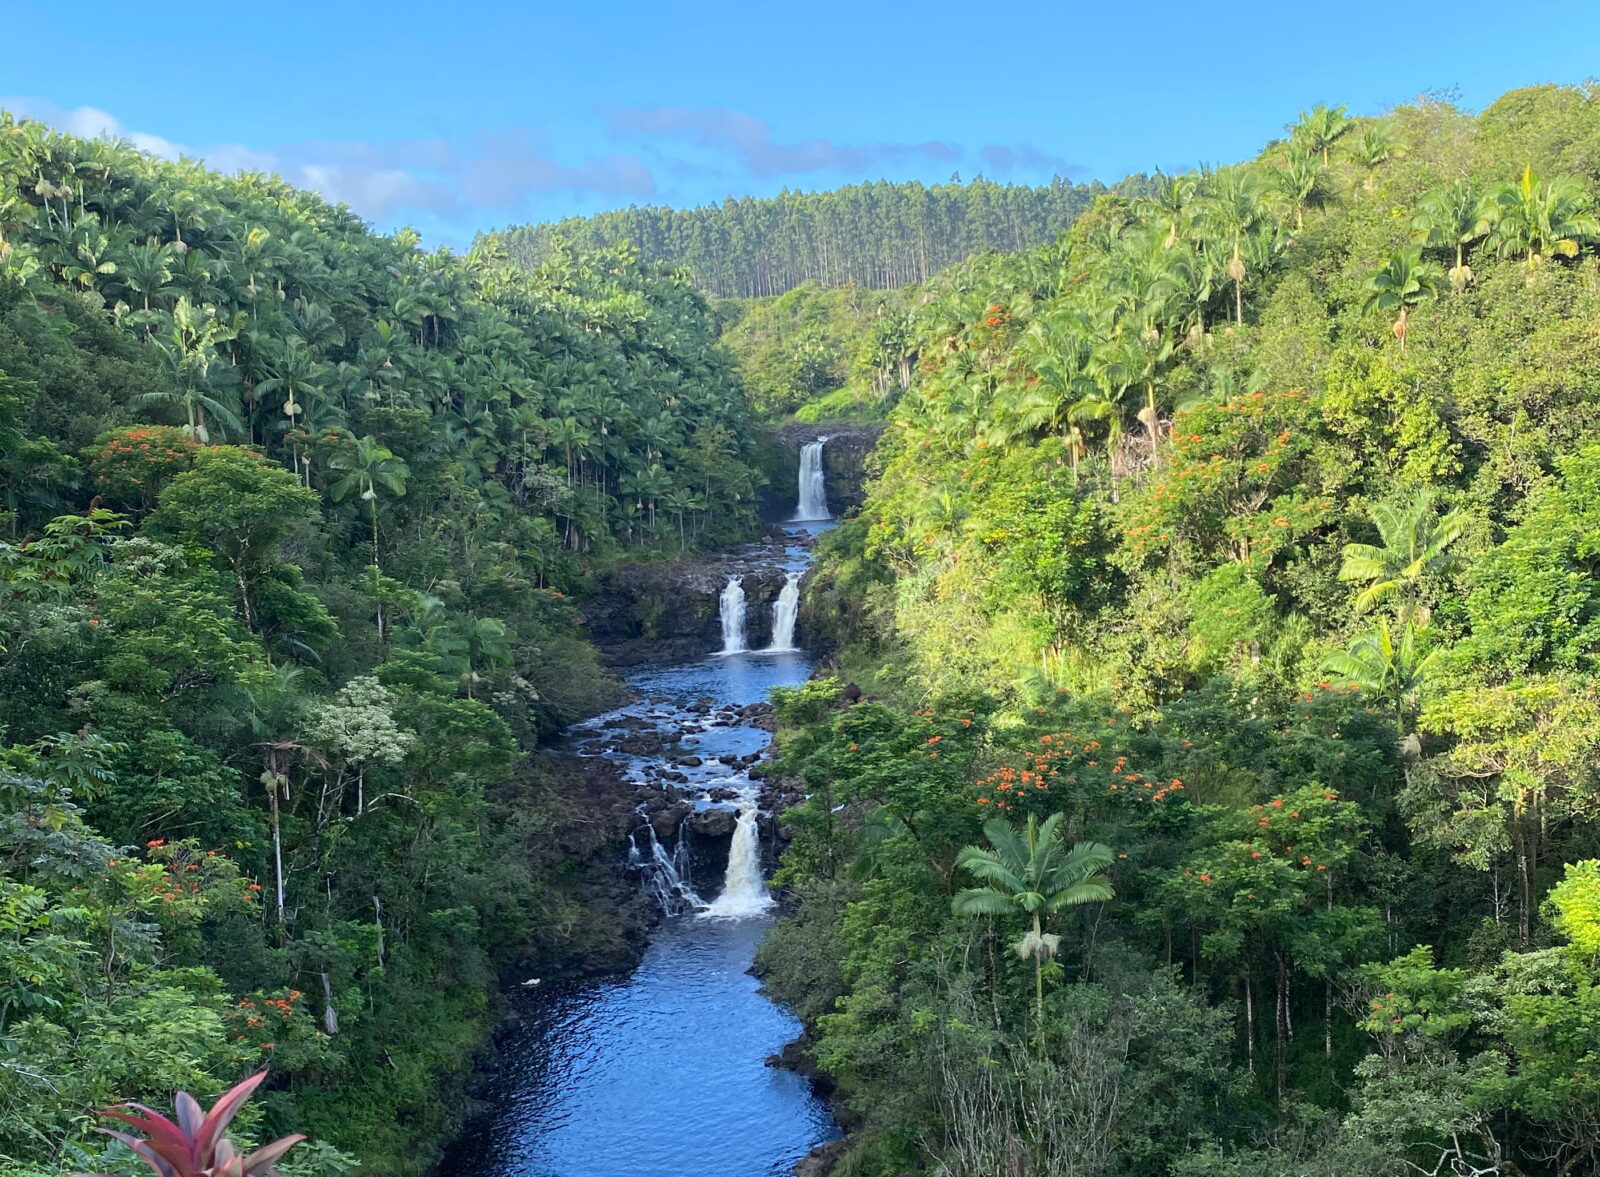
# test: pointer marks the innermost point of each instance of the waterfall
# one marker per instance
(732, 605)
(813, 484)
(744, 891)
(665, 875)
(783, 614)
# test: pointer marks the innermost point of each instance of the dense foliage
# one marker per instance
(292, 516)
(1250, 533)
(821, 354)
(879, 235)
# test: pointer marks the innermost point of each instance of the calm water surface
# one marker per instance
(661, 1073)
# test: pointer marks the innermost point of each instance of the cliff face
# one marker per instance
(844, 461)
(670, 611)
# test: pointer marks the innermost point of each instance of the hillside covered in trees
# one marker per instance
(292, 519)
(1226, 796)
(1219, 795)
(878, 236)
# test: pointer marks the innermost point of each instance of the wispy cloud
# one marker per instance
(1007, 159)
(457, 185)
(492, 173)
(753, 142)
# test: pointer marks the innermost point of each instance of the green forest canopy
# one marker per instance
(879, 235)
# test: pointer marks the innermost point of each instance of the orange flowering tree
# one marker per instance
(1259, 896)
(1076, 775)
(280, 1026)
(176, 887)
(133, 465)
(913, 766)
(1247, 479)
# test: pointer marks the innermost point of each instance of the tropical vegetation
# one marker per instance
(293, 520)
(1244, 540)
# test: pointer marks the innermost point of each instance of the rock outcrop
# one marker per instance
(668, 611)
(844, 460)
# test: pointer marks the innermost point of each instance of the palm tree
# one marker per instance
(1031, 871)
(299, 376)
(651, 484)
(1534, 218)
(1403, 282)
(1322, 128)
(1413, 540)
(1393, 668)
(365, 468)
(1236, 209)
(1375, 146)
(273, 709)
(1301, 176)
(486, 642)
(146, 270)
(187, 353)
(1453, 217)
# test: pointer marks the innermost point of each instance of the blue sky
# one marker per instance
(471, 114)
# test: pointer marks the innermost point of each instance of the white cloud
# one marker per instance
(752, 141)
(90, 122)
(382, 181)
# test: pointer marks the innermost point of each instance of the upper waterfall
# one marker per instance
(813, 484)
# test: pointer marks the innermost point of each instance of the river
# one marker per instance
(662, 1072)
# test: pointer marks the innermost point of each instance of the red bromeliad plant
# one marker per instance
(194, 1146)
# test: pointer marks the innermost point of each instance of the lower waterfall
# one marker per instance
(666, 875)
(744, 890)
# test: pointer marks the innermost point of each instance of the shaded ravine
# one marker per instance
(662, 1072)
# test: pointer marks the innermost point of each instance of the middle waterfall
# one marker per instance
(733, 617)
(784, 611)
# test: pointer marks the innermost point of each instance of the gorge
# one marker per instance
(1124, 706)
(580, 1079)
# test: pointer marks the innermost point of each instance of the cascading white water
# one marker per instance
(813, 484)
(783, 615)
(744, 891)
(666, 875)
(732, 606)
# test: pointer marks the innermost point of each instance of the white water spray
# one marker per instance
(784, 610)
(666, 875)
(744, 891)
(813, 484)
(732, 606)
